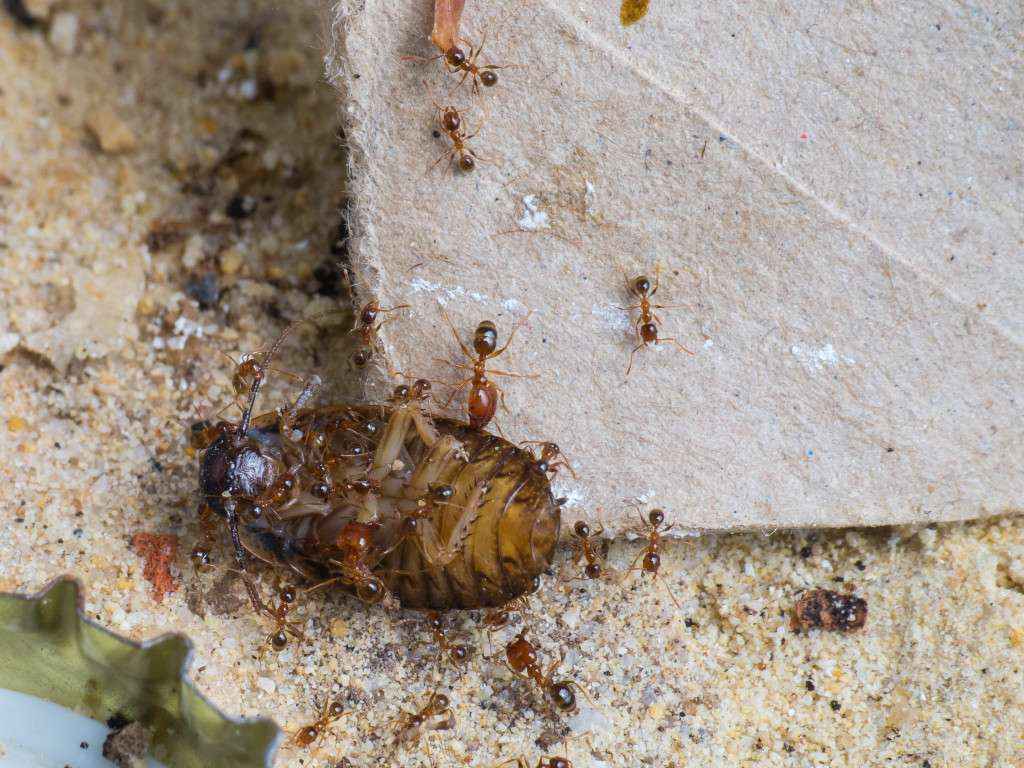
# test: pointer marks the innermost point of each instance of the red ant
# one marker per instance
(584, 548)
(653, 527)
(355, 547)
(523, 661)
(367, 328)
(458, 61)
(315, 731)
(412, 724)
(551, 457)
(278, 638)
(483, 393)
(646, 324)
(451, 124)
(456, 652)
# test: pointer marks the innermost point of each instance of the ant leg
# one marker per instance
(670, 593)
(630, 366)
(514, 375)
(657, 278)
(456, 391)
(512, 335)
(465, 350)
(674, 341)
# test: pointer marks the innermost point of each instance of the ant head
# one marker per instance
(287, 594)
(439, 701)
(488, 78)
(335, 710)
(369, 312)
(401, 394)
(361, 357)
(592, 571)
(485, 339)
(455, 56)
(557, 762)
(656, 517)
(434, 620)
(581, 529)
(642, 285)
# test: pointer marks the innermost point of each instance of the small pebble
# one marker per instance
(230, 261)
(64, 32)
(110, 131)
(266, 684)
(39, 9)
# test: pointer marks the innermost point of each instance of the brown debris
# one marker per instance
(159, 551)
(126, 747)
(825, 609)
(447, 15)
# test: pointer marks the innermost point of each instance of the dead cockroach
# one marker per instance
(523, 660)
(309, 734)
(652, 528)
(585, 545)
(646, 324)
(457, 653)
(451, 123)
(367, 328)
(435, 715)
(327, 493)
(484, 394)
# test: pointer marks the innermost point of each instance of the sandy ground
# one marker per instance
(134, 263)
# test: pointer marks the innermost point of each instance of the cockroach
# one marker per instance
(652, 528)
(312, 733)
(585, 545)
(646, 325)
(523, 660)
(451, 123)
(366, 328)
(484, 394)
(326, 493)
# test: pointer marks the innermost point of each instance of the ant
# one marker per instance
(551, 457)
(646, 324)
(367, 328)
(652, 527)
(457, 60)
(584, 548)
(451, 124)
(278, 638)
(456, 652)
(412, 724)
(315, 731)
(483, 393)
(523, 661)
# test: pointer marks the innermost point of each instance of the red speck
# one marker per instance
(158, 550)
(804, 136)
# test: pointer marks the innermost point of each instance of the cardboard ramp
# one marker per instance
(833, 198)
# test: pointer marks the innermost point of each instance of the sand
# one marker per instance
(130, 274)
